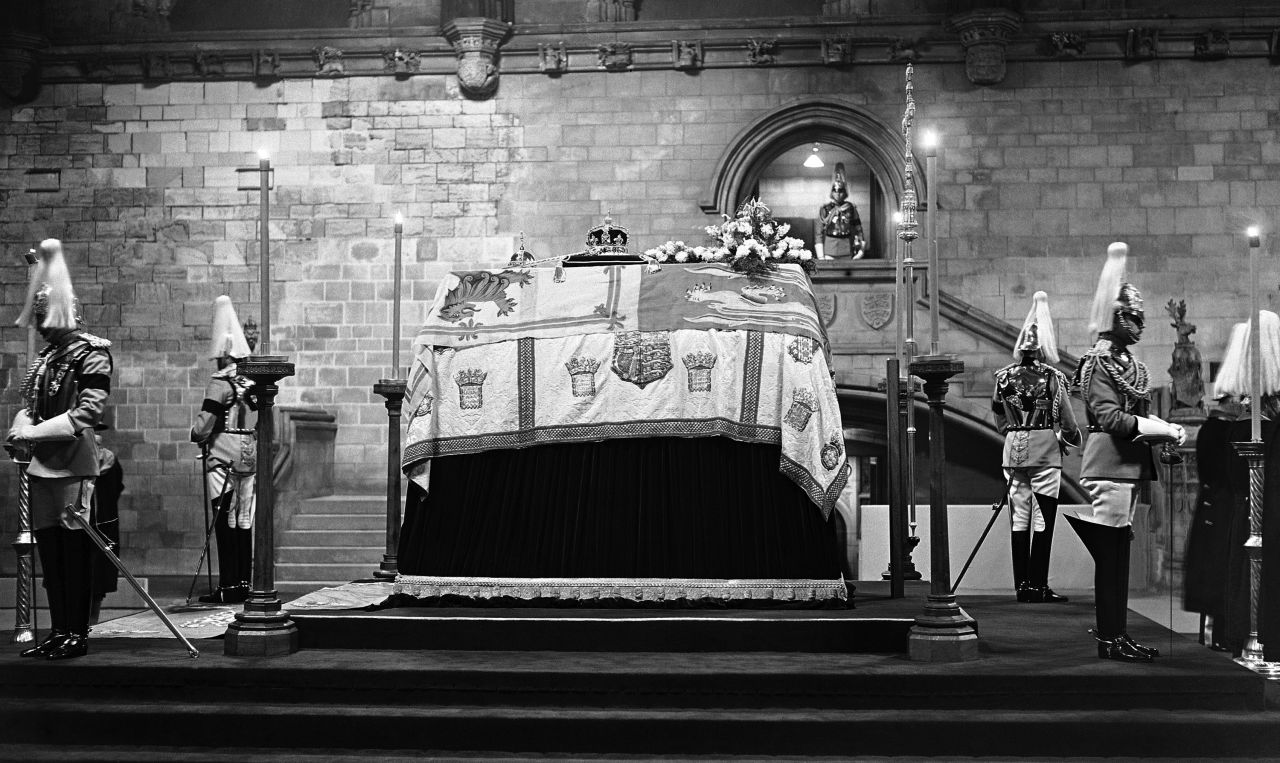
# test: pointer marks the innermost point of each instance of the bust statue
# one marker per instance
(838, 228)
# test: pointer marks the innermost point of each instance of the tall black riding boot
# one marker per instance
(48, 542)
(1125, 542)
(77, 593)
(1019, 541)
(244, 561)
(225, 540)
(1041, 545)
(1102, 542)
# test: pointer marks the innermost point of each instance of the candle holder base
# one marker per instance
(262, 629)
(943, 632)
(393, 392)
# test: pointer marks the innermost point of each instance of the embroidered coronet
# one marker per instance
(582, 365)
(471, 377)
(699, 360)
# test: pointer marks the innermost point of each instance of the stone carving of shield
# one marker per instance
(877, 309)
(826, 308)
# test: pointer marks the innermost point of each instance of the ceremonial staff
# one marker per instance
(24, 602)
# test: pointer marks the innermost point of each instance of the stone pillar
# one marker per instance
(943, 632)
(985, 34)
(476, 40)
(393, 391)
(263, 629)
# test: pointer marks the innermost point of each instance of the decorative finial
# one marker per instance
(907, 226)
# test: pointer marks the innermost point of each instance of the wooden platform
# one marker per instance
(1038, 689)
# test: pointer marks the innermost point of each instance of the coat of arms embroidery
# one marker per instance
(642, 357)
(582, 375)
(471, 388)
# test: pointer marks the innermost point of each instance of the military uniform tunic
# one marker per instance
(226, 424)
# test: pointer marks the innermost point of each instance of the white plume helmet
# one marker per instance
(1237, 362)
(1042, 320)
(1102, 312)
(226, 338)
(51, 299)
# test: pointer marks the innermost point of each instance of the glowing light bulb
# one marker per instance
(813, 161)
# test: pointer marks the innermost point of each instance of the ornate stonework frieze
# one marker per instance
(210, 64)
(762, 52)
(329, 61)
(1066, 44)
(686, 55)
(1141, 44)
(360, 14)
(98, 68)
(553, 59)
(475, 42)
(266, 63)
(615, 10)
(1213, 45)
(837, 51)
(985, 33)
(614, 56)
(904, 51)
(400, 61)
(157, 66)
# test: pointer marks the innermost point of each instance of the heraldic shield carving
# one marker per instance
(876, 309)
(642, 357)
(827, 308)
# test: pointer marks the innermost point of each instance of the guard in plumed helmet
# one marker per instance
(1117, 454)
(225, 429)
(1033, 413)
(64, 396)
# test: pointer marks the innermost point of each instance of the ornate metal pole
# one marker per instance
(1254, 453)
(908, 233)
(24, 544)
(931, 232)
(943, 632)
(897, 510)
(393, 390)
(263, 628)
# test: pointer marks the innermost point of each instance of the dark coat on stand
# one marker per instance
(1237, 594)
(1205, 571)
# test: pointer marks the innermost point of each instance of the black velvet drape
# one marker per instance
(628, 508)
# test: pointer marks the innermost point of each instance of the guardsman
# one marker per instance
(225, 431)
(64, 396)
(1117, 454)
(1033, 413)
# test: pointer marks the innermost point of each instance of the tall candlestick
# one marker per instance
(897, 296)
(395, 315)
(264, 249)
(1255, 338)
(931, 233)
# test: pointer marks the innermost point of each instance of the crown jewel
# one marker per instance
(607, 238)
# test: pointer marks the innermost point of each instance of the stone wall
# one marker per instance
(1037, 176)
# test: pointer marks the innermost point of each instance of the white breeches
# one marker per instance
(1113, 502)
(240, 488)
(1045, 480)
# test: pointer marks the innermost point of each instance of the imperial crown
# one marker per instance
(607, 238)
(699, 360)
(582, 365)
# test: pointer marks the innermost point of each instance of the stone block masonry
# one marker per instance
(1036, 176)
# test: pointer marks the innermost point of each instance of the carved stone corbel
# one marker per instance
(614, 56)
(157, 66)
(985, 34)
(208, 64)
(20, 65)
(1066, 44)
(476, 40)
(1141, 44)
(401, 62)
(329, 61)
(1213, 45)
(686, 55)
(553, 59)
(837, 51)
(762, 52)
(265, 63)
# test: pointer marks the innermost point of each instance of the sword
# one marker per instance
(226, 481)
(995, 514)
(101, 543)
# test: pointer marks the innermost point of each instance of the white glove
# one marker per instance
(1153, 429)
(56, 429)
(21, 420)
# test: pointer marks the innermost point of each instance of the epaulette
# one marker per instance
(96, 342)
(1006, 369)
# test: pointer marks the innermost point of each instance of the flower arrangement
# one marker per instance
(751, 242)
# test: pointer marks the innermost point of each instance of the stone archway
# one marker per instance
(809, 121)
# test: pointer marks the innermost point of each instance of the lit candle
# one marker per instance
(395, 316)
(1255, 334)
(931, 232)
(264, 244)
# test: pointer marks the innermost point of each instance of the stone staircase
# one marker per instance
(331, 540)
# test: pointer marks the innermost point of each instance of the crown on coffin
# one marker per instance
(582, 365)
(607, 238)
(805, 397)
(471, 377)
(699, 360)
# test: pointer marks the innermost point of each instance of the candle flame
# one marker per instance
(263, 155)
(399, 219)
(929, 139)
(1252, 231)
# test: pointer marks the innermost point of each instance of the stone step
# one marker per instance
(344, 504)
(337, 536)
(329, 574)
(338, 522)
(328, 555)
